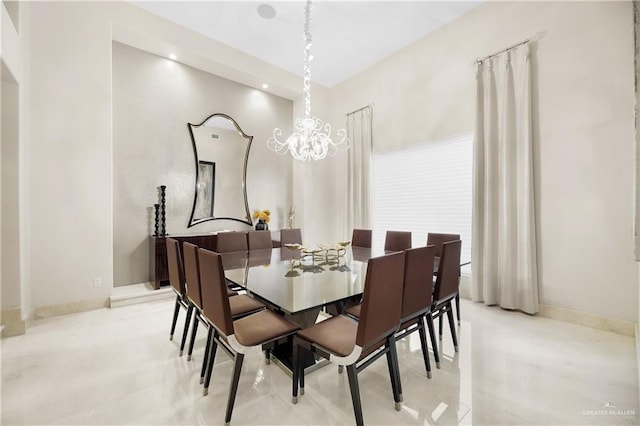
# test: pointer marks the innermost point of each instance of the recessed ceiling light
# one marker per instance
(173, 57)
(266, 11)
(265, 86)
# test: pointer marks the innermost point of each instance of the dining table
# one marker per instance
(299, 284)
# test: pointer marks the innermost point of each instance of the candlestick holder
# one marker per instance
(156, 208)
(163, 216)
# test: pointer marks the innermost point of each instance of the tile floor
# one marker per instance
(117, 367)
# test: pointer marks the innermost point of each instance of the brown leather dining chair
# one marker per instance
(231, 241)
(397, 240)
(436, 240)
(417, 297)
(259, 240)
(361, 238)
(357, 344)
(447, 284)
(290, 236)
(241, 304)
(237, 336)
(177, 281)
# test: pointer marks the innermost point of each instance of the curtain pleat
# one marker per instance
(359, 127)
(504, 267)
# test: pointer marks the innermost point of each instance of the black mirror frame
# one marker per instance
(191, 126)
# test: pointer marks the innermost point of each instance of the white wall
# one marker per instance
(583, 74)
(10, 223)
(71, 152)
(71, 120)
(16, 286)
(584, 154)
(153, 100)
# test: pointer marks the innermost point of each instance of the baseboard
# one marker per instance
(12, 322)
(638, 355)
(69, 308)
(614, 325)
(138, 293)
(627, 328)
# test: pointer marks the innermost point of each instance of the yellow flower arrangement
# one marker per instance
(262, 215)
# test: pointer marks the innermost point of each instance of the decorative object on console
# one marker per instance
(311, 139)
(263, 217)
(163, 216)
(156, 208)
(292, 216)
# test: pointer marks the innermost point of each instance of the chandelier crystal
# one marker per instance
(311, 138)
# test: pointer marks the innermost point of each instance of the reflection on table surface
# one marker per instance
(296, 284)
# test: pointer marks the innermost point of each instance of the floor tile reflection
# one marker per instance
(117, 366)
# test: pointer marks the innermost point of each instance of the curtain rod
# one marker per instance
(360, 109)
(503, 50)
(536, 37)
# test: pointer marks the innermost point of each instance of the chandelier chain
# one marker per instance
(311, 138)
(307, 59)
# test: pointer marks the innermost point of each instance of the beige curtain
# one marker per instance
(359, 128)
(504, 266)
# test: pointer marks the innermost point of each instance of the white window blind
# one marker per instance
(424, 188)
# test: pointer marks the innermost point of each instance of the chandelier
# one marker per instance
(311, 139)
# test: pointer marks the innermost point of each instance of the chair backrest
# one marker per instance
(231, 241)
(192, 273)
(437, 240)
(448, 279)
(214, 292)
(418, 280)
(259, 240)
(397, 240)
(176, 269)
(361, 238)
(290, 236)
(382, 299)
(259, 257)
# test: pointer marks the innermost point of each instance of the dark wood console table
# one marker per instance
(158, 256)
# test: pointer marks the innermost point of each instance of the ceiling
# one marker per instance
(348, 36)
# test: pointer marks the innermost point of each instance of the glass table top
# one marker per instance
(294, 284)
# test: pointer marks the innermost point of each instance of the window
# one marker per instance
(424, 188)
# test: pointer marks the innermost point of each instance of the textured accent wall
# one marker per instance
(153, 100)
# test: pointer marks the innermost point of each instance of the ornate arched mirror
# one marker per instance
(221, 150)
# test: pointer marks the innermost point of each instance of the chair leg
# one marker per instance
(233, 388)
(212, 358)
(355, 393)
(186, 329)
(194, 330)
(394, 372)
(440, 326)
(458, 307)
(434, 343)
(301, 371)
(295, 369)
(452, 327)
(176, 310)
(425, 350)
(205, 359)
